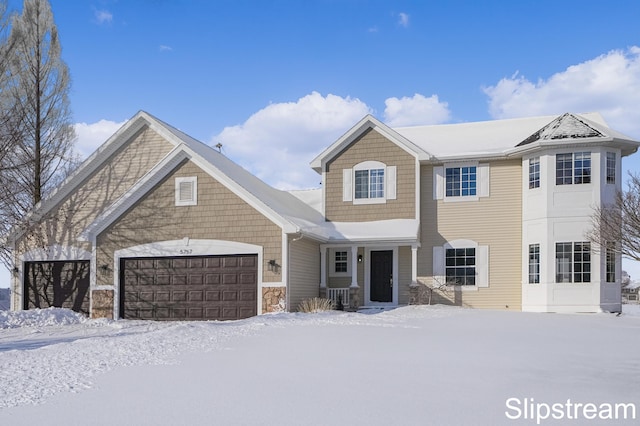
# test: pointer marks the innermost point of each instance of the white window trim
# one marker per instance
(440, 182)
(332, 262)
(348, 183)
(482, 264)
(194, 201)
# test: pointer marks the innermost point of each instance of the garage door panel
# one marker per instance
(229, 279)
(163, 279)
(179, 296)
(212, 296)
(196, 296)
(190, 288)
(163, 296)
(196, 279)
(212, 279)
(229, 296)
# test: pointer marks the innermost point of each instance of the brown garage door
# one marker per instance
(60, 284)
(189, 288)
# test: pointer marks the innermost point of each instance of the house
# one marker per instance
(630, 292)
(157, 225)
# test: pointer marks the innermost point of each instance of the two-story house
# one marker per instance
(493, 215)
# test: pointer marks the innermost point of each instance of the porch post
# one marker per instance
(354, 266)
(323, 266)
(414, 264)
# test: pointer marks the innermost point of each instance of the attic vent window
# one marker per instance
(187, 191)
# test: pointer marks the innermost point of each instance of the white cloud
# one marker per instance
(165, 48)
(403, 19)
(103, 16)
(91, 136)
(278, 142)
(609, 84)
(418, 110)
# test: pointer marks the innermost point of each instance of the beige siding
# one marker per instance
(219, 215)
(495, 221)
(371, 146)
(65, 222)
(404, 274)
(304, 271)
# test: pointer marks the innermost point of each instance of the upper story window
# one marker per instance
(369, 182)
(573, 168)
(534, 172)
(187, 191)
(611, 167)
(461, 181)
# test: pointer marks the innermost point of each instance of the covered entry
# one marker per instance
(189, 288)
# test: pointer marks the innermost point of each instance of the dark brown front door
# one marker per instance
(382, 276)
(59, 284)
(189, 288)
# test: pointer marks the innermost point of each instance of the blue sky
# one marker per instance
(276, 81)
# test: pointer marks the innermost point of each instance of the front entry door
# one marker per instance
(382, 276)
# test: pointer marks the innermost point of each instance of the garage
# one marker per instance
(59, 284)
(189, 288)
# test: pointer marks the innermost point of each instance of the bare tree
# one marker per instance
(35, 97)
(616, 227)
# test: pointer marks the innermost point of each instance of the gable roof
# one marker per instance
(366, 123)
(567, 126)
(280, 207)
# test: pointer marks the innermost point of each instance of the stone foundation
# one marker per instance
(102, 304)
(354, 298)
(274, 299)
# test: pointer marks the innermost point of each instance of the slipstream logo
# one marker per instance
(529, 409)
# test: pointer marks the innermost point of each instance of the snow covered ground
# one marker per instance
(414, 365)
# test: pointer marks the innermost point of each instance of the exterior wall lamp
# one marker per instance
(273, 266)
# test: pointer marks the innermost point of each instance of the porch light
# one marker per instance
(104, 270)
(359, 258)
(273, 266)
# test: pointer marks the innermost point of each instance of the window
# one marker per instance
(460, 181)
(534, 172)
(341, 263)
(187, 191)
(573, 168)
(369, 183)
(610, 260)
(460, 266)
(573, 262)
(611, 167)
(463, 263)
(534, 263)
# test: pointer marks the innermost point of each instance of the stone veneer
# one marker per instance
(102, 304)
(274, 299)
